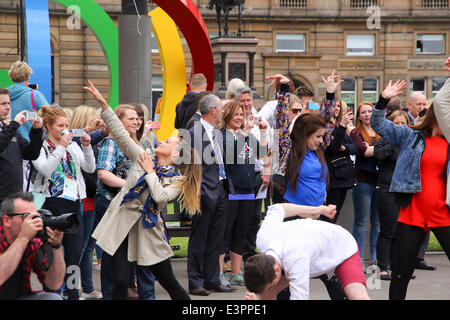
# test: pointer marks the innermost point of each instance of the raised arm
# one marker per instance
(282, 120)
(118, 131)
(396, 135)
(332, 83)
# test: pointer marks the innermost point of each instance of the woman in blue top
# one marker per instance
(307, 182)
(307, 175)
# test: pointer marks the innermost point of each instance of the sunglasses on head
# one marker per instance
(295, 111)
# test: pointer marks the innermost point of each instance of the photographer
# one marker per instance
(21, 252)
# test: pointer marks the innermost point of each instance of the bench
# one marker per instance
(173, 222)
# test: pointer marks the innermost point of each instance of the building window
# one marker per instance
(362, 3)
(434, 3)
(438, 82)
(370, 90)
(418, 85)
(155, 48)
(430, 43)
(348, 92)
(290, 42)
(293, 3)
(360, 44)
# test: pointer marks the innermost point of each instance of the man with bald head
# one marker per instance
(417, 102)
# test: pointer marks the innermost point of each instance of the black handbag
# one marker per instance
(339, 168)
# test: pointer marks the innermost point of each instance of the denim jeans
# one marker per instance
(146, 283)
(87, 253)
(364, 205)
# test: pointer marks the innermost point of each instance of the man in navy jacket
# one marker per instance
(14, 148)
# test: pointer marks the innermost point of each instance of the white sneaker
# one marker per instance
(94, 295)
(223, 280)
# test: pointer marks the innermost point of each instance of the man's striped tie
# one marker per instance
(218, 154)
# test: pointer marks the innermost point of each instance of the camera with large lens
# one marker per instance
(67, 223)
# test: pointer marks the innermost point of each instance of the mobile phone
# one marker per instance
(313, 106)
(155, 125)
(422, 113)
(31, 115)
(258, 120)
(77, 132)
(33, 86)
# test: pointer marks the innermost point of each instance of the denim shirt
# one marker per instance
(410, 143)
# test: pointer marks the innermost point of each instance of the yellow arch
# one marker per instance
(174, 69)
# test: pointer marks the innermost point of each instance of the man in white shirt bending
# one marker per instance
(293, 252)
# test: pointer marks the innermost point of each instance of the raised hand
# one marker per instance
(37, 124)
(330, 82)
(86, 140)
(447, 64)
(347, 119)
(20, 117)
(97, 95)
(66, 139)
(277, 78)
(393, 90)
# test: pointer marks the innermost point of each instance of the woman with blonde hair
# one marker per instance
(88, 118)
(366, 171)
(241, 149)
(22, 96)
(134, 214)
(60, 179)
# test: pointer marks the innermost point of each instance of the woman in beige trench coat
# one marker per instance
(126, 231)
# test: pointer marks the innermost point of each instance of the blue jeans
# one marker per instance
(364, 205)
(87, 253)
(146, 283)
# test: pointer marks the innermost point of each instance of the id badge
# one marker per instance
(70, 191)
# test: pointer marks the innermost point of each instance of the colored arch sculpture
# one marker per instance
(188, 18)
(174, 69)
(191, 24)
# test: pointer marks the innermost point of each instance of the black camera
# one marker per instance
(67, 222)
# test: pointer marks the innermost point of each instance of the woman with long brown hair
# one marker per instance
(366, 171)
(306, 166)
(419, 179)
(134, 214)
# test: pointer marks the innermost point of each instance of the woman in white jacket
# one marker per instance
(61, 181)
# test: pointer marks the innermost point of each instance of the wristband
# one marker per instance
(56, 246)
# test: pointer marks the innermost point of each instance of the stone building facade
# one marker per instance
(367, 42)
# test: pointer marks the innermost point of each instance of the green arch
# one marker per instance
(93, 15)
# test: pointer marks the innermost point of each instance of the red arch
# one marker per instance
(187, 17)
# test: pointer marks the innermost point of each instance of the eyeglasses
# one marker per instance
(295, 111)
(24, 215)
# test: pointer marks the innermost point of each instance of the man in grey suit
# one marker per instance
(208, 226)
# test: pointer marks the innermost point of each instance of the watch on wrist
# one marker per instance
(57, 246)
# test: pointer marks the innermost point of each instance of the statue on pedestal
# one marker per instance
(226, 6)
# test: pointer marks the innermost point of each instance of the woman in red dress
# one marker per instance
(419, 180)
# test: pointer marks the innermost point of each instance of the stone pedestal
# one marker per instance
(233, 58)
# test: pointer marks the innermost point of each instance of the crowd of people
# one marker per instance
(104, 176)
